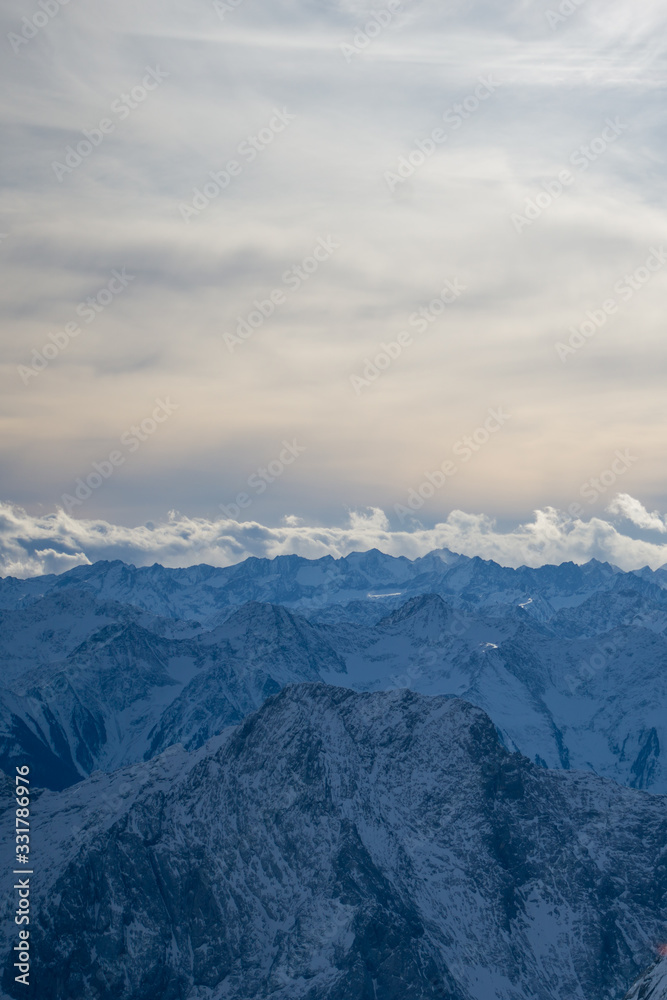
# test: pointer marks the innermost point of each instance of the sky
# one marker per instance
(314, 276)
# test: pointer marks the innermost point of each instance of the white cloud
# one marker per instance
(634, 511)
(32, 545)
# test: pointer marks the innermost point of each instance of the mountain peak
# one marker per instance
(428, 609)
(337, 845)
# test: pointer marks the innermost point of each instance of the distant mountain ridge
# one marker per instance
(107, 665)
(295, 582)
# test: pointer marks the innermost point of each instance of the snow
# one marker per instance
(149, 671)
(112, 682)
(287, 844)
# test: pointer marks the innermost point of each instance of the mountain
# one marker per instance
(652, 985)
(90, 682)
(343, 846)
(593, 702)
(53, 625)
(137, 684)
(318, 585)
(266, 648)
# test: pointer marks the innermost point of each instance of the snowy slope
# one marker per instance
(592, 702)
(89, 682)
(338, 846)
(128, 689)
(652, 985)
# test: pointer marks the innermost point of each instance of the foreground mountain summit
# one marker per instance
(344, 846)
(108, 665)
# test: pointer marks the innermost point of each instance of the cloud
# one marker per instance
(31, 545)
(634, 511)
(326, 174)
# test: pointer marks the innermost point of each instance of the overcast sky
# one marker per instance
(499, 167)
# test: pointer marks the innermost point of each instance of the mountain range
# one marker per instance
(355, 779)
(107, 665)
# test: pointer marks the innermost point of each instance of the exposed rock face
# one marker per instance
(345, 846)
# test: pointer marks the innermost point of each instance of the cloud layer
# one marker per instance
(31, 546)
(325, 174)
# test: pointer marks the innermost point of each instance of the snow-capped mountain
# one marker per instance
(574, 676)
(312, 585)
(652, 985)
(343, 846)
(595, 703)
(130, 689)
